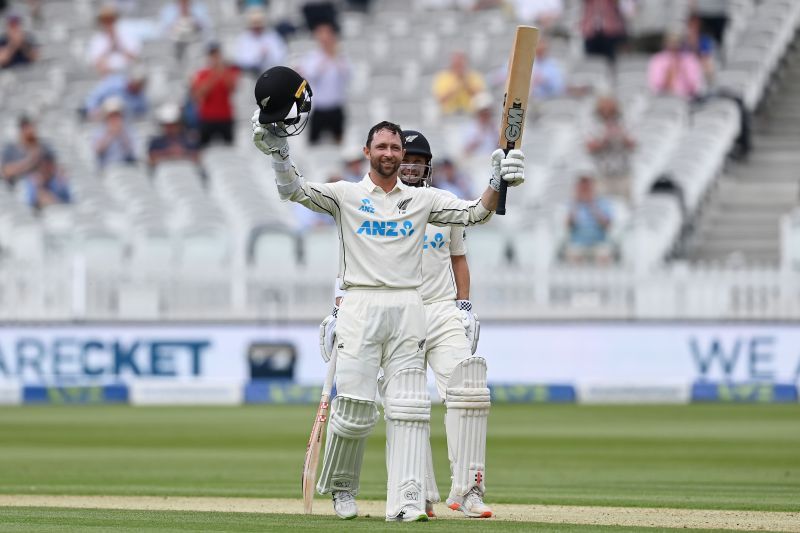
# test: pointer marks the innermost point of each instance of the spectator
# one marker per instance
(481, 135)
(675, 71)
(713, 15)
(112, 48)
(22, 158)
(548, 76)
(259, 48)
(456, 86)
(701, 44)
(113, 140)
(127, 86)
(602, 25)
(449, 178)
(174, 143)
(184, 22)
(353, 163)
(611, 146)
(212, 89)
(540, 13)
(46, 185)
(589, 220)
(328, 71)
(16, 46)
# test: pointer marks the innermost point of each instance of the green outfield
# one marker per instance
(735, 457)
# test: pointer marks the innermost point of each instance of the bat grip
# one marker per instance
(501, 201)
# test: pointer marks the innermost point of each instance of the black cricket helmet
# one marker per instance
(284, 98)
(414, 174)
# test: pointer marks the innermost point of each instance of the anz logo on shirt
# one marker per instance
(379, 228)
(437, 242)
(366, 206)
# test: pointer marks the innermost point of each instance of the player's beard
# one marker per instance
(385, 167)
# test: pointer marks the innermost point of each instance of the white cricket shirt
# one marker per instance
(438, 281)
(382, 234)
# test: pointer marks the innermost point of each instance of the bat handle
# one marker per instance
(501, 201)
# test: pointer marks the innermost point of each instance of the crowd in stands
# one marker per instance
(118, 105)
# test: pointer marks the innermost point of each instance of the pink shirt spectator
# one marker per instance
(675, 73)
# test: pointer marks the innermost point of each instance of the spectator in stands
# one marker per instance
(184, 22)
(259, 48)
(20, 159)
(16, 46)
(328, 72)
(540, 13)
(112, 48)
(611, 147)
(456, 86)
(447, 176)
(114, 140)
(548, 75)
(174, 143)
(353, 165)
(212, 90)
(602, 25)
(676, 71)
(482, 134)
(127, 86)
(702, 45)
(46, 185)
(713, 16)
(589, 220)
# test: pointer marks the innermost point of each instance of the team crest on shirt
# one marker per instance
(402, 205)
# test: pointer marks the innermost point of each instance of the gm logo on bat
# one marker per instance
(379, 228)
(514, 119)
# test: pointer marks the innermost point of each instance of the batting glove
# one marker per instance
(327, 335)
(472, 327)
(265, 140)
(507, 167)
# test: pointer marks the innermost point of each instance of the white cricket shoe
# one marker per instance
(429, 509)
(409, 513)
(344, 503)
(471, 504)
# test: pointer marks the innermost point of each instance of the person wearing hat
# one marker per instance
(20, 159)
(114, 142)
(129, 86)
(212, 92)
(16, 46)
(112, 48)
(588, 222)
(174, 143)
(184, 22)
(259, 47)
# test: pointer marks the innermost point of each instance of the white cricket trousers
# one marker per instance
(447, 344)
(377, 328)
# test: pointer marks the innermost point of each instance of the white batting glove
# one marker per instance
(507, 167)
(265, 139)
(327, 335)
(472, 327)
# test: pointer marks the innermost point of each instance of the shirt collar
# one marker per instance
(370, 186)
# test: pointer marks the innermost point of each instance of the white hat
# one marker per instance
(482, 101)
(169, 113)
(113, 104)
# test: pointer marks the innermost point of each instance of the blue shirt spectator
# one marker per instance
(589, 221)
(129, 87)
(548, 76)
(114, 141)
(46, 186)
(16, 46)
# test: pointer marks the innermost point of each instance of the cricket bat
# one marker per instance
(309, 480)
(515, 101)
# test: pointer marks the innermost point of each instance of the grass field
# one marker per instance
(737, 457)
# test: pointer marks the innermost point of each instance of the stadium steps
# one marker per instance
(741, 221)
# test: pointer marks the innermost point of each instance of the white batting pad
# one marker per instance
(431, 490)
(350, 423)
(467, 402)
(407, 407)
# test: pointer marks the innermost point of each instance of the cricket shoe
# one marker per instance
(344, 503)
(409, 513)
(471, 504)
(429, 509)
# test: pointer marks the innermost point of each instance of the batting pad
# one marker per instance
(431, 490)
(407, 407)
(467, 402)
(351, 422)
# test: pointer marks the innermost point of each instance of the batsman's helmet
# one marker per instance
(284, 98)
(416, 175)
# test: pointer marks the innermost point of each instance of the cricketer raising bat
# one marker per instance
(515, 101)
(309, 480)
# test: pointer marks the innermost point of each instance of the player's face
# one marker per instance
(414, 169)
(385, 153)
